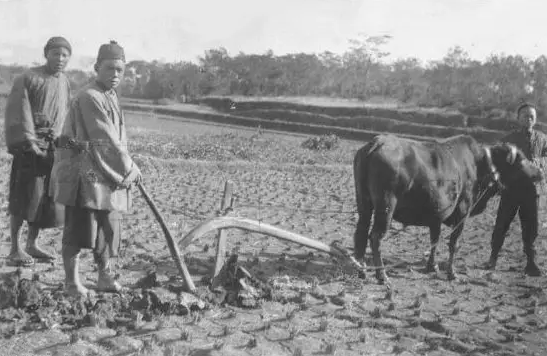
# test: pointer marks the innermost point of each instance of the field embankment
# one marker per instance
(347, 120)
(278, 125)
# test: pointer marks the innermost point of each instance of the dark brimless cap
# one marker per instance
(111, 50)
(56, 42)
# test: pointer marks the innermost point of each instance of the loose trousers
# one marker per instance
(525, 201)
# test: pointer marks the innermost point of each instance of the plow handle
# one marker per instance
(175, 253)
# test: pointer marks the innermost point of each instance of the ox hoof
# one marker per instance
(532, 270)
(432, 268)
(452, 276)
(383, 282)
(490, 265)
(382, 278)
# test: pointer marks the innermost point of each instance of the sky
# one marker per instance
(175, 30)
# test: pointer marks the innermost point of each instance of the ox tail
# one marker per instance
(365, 207)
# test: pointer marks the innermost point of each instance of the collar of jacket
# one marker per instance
(104, 88)
(48, 71)
(525, 132)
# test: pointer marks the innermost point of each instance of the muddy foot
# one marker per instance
(76, 290)
(107, 284)
(39, 253)
(19, 259)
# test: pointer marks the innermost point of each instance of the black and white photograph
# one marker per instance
(271, 178)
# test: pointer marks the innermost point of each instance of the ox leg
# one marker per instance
(452, 249)
(434, 232)
(382, 219)
(361, 236)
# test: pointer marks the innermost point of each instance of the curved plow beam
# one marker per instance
(227, 222)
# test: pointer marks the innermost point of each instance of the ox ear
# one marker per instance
(512, 155)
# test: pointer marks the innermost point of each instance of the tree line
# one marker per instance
(458, 81)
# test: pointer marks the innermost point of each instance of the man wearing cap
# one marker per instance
(35, 113)
(93, 172)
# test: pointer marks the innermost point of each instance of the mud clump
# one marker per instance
(237, 287)
(25, 306)
(19, 292)
(149, 281)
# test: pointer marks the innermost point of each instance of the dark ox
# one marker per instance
(429, 184)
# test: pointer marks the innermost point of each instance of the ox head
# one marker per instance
(503, 166)
(508, 166)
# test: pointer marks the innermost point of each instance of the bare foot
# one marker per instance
(19, 258)
(37, 252)
(76, 290)
(107, 284)
(381, 276)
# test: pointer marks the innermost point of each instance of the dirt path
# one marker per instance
(318, 306)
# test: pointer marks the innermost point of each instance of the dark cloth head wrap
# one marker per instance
(111, 50)
(56, 42)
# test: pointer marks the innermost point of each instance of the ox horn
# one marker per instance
(512, 155)
(493, 170)
(488, 154)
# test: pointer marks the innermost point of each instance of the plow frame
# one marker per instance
(222, 222)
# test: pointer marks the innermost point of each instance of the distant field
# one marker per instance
(346, 118)
(151, 135)
(348, 121)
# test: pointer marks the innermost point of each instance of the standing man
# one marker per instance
(93, 172)
(523, 199)
(35, 114)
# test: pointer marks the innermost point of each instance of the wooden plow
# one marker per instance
(222, 222)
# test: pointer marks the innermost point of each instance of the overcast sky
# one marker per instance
(175, 30)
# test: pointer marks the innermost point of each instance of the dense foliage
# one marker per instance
(501, 81)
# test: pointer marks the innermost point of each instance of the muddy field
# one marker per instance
(307, 303)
